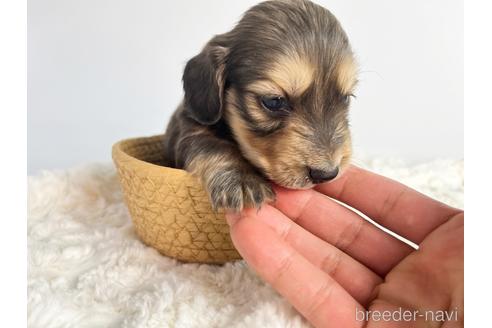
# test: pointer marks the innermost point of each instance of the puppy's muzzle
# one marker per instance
(320, 176)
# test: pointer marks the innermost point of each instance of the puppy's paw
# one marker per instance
(235, 189)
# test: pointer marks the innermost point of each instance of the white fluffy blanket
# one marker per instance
(88, 269)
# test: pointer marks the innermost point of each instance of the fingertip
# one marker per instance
(251, 237)
(232, 217)
(279, 189)
(247, 214)
(253, 211)
(267, 217)
(292, 202)
(286, 191)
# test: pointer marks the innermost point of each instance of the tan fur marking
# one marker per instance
(256, 112)
(264, 87)
(244, 136)
(346, 155)
(346, 74)
(241, 132)
(259, 115)
(292, 74)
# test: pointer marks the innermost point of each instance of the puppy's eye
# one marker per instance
(274, 103)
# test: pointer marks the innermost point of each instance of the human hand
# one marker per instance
(329, 262)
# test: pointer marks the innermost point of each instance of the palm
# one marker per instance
(429, 277)
(334, 266)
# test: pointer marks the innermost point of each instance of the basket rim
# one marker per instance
(121, 156)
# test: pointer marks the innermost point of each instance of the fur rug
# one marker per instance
(86, 267)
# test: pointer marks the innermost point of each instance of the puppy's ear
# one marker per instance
(203, 83)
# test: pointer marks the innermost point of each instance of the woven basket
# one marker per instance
(169, 207)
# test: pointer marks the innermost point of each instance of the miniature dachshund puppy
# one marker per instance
(266, 102)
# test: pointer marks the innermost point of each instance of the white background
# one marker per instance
(103, 70)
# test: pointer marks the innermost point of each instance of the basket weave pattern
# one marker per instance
(169, 207)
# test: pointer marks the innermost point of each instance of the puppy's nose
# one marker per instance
(319, 176)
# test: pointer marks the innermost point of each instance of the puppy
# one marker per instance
(266, 102)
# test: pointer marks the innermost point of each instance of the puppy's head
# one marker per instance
(282, 79)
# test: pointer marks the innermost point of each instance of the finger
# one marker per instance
(354, 277)
(342, 228)
(311, 291)
(390, 203)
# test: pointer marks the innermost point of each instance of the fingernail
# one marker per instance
(232, 217)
